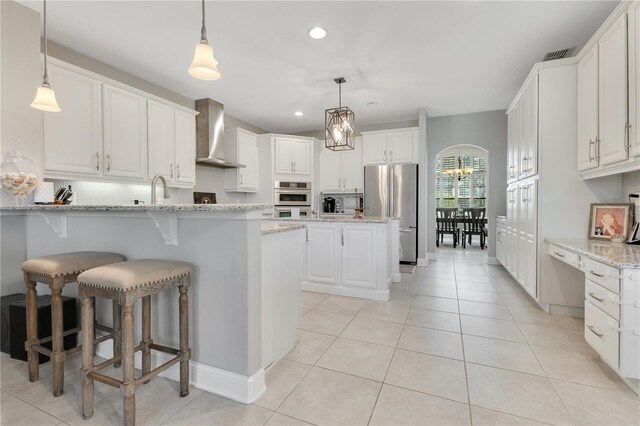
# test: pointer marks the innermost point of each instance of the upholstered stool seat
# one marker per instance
(56, 271)
(125, 283)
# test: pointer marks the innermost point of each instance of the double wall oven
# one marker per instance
(292, 195)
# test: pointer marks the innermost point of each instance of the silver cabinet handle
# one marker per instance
(593, 296)
(171, 167)
(178, 170)
(108, 162)
(590, 327)
(342, 235)
(292, 167)
(597, 151)
(240, 178)
(344, 183)
(596, 274)
(627, 144)
(405, 230)
(557, 253)
(591, 143)
(385, 155)
(339, 183)
(97, 161)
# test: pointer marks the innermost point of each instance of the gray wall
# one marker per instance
(487, 130)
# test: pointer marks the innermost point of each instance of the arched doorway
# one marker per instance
(462, 180)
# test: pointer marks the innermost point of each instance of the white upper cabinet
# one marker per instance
(161, 140)
(341, 171)
(398, 146)
(528, 158)
(634, 79)
(124, 133)
(242, 147)
(613, 93)
(73, 137)
(513, 149)
(293, 156)
(588, 110)
(185, 148)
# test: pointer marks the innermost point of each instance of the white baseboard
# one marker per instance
(378, 295)
(211, 379)
(567, 311)
(423, 261)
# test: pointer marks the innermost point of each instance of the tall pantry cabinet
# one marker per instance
(546, 197)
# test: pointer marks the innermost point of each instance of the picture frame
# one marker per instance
(608, 219)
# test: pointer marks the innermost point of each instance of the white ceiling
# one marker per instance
(452, 57)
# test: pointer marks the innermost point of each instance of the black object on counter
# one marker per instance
(329, 205)
(17, 318)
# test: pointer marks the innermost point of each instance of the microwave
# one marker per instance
(292, 194)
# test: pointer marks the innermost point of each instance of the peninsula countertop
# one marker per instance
(337, 219)
(139, 207)
(619, 255)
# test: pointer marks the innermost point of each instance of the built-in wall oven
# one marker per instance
(292, 195)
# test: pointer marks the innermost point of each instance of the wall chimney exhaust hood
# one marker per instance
(210, 150)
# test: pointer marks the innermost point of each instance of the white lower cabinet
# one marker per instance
(349, 259)
(501, 235)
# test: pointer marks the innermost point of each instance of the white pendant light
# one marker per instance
(45, 99)
(204, 65)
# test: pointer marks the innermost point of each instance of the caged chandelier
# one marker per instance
(339, 125)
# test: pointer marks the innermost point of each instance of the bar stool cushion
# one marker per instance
(69, 263)
(133, 274)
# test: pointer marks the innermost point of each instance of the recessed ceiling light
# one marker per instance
(298, 113)
(317, 33)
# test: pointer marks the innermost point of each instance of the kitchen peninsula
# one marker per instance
(230, 311)
(350, 257)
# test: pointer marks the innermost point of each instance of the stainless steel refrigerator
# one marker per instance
(392, 191)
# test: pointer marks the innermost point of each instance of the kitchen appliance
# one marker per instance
(345, 203)
(291, 195)
(329, 205)
(392, 191)
(210, 149)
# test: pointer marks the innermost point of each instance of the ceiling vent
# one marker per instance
(559, 54)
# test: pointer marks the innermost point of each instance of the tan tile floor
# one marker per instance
(459, 343)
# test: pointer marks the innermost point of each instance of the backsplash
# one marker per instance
(631, 185)
(110, 193)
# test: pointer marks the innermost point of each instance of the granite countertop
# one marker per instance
(140, 207)
(337, 219)
(619, 255)
(273, 228)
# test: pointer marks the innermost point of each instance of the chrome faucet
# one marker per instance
(154, 199)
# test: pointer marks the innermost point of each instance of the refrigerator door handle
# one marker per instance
(391, 192)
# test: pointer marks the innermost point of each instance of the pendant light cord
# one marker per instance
(45, 77)
(203, 32)
(339, 95)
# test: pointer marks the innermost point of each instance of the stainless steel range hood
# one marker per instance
(210, 150)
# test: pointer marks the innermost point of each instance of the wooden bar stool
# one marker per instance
(56, 271)
(125, 283)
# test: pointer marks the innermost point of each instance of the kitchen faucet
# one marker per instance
(154, 199)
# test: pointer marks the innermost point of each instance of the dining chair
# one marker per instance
(474, 224)
(446, 224)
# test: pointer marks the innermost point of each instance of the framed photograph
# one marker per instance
(609, 219)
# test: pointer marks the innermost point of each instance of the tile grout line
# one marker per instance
(464, 358)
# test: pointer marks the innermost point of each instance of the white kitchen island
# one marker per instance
(229, 319)
(350, 257)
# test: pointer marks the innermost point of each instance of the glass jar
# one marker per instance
(17, 174)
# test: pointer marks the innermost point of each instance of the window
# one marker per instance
(470, 190)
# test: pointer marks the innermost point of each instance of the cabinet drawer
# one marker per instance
(605, 275)
(566, 256)
(602, 298)
(600, 331)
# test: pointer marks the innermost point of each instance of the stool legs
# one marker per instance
(128, 368)
(87, 356)
(32, 329)
(146, 334)
(58, 353)
(184, 337)
(117, 332)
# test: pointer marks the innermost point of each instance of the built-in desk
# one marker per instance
(612, 299)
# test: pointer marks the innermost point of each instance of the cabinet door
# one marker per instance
(374, 148)
(352, 168)
(185, 147)
(588, 110)
(358, 255)
(330, 170)
(400, 146)
(301, 157)
(500, 245)
(634, 79)
(160, 140)
(513, 142)
(283, 155)
(529, 158)
(248, 155)
(613, 93)
(125, 133)
(523, 132)
(323, 253)
(72, 137)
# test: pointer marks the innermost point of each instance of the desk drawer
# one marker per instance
(605, 275)
(600, 331)
(566, 256)
(602, 298)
